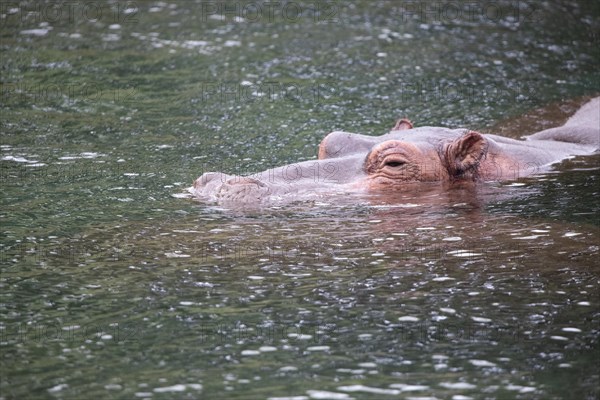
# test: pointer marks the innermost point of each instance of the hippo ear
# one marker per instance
(402, 124)
(464, 154)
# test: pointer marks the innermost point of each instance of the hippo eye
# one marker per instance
(394, 164)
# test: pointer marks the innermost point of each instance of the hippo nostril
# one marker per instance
(208, 177)
(205, 178)
(244, 180)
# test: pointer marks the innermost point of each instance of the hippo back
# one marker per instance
(582, 128)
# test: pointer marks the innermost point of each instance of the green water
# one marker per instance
(111, 287)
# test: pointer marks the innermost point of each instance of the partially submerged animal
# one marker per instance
(349, 162)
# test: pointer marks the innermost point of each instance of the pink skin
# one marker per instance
(406, 155)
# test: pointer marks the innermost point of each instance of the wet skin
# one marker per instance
(349, 162)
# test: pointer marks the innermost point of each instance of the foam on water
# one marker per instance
(408, 388)
(481, 319)
(36, 32)
(325, 395)
(318, 348)
(368, 389)
(443, 279)
(18, 159)
(457, 385)
(482, 363)
(408, 318)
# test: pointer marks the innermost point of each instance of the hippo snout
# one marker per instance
(243, 189)
(207, 178)
(208, 183)
(231, 188)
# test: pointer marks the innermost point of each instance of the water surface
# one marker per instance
(112, 287)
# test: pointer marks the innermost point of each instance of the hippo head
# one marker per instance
(350, 162)
(421, 155)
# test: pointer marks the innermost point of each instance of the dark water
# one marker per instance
(111, 287)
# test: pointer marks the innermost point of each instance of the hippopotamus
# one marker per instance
(408, 155)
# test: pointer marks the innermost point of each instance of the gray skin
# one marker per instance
(351, 162)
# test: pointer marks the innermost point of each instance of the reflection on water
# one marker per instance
(113, 288)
